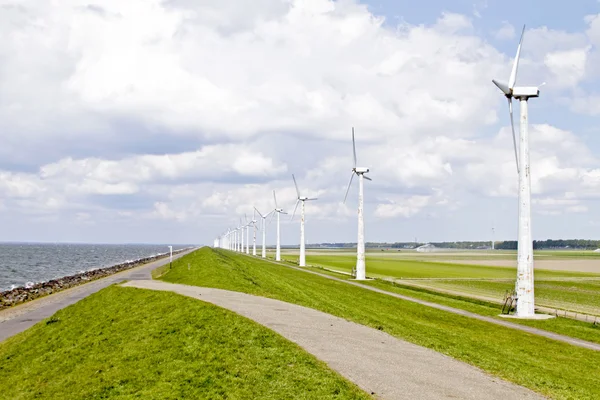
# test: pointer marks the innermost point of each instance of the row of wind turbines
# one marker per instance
(233, 239)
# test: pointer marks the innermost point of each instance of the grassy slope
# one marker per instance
(547, 366)
(130, 343)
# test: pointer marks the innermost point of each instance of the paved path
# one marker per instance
(540, 332)
(377, 362)
(16, 319)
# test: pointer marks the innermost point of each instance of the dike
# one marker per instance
(10, 298)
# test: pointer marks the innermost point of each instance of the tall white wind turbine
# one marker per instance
(301, 199)
(278, 211)
(524, 284)
(253, 222)
(247, 234)
(241, 228)
(360, 245)
(264, 232)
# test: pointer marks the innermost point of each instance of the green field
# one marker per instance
(575, 295)
(563, 290)
(549, 367)
(386, 266)
(125, 343)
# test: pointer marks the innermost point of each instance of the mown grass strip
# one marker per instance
(126, 343)
(547, 366)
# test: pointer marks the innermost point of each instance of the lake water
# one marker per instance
(28, 263)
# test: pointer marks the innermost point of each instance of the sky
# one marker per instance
(148, 121)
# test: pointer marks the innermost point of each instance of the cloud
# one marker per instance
(402, 207)
(507, 31)
(191, 112)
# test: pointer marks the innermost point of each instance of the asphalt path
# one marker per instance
(19, 318)
(380, 364)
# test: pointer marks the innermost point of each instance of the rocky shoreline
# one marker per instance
(10, 298)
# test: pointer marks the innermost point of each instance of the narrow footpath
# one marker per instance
(19, 318)
(535, 331)
(380, 364)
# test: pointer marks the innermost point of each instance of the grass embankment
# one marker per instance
(130, 343)
(549, 367)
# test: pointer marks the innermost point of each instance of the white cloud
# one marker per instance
(567, 67)
(109, 102)
(507, 31)
(402, 207)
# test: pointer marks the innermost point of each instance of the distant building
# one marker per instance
(426, 248)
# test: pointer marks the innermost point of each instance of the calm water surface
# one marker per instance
(23, 264)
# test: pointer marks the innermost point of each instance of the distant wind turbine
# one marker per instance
(247, 235)
(301, 199)
(264, 234)
(360, 245)
(253, 222)
(524, 283)
(278, 211)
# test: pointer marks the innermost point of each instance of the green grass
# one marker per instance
(549, 367)
(410, 268)
(575, 295)
(564, 326)
(126, 343)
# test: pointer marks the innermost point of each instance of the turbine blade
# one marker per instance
(258, 212)
(367, 178)
(295, 184)
(295, 208)
(353, 147)
(512, 126)
(502, 87)
(313, 198)
(270, 217)
(275, 198)
(349, 184)
(513, 73)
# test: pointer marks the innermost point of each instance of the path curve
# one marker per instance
(377, 362)
(23, 316)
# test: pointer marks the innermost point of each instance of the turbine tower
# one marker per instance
(278, 211)
(253, 222)
(241, 228)
(247, 235)
(302, 199)
(360, 245)
(524, 284)
(264, 235)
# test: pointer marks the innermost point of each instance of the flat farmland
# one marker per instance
(565, 280)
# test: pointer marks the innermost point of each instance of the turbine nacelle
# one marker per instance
(360, 170)
(525, 91)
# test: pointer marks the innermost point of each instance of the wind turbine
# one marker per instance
(264, 235)
(302, 262)
(241, 228)
(278, 211)
(247, 234)
(253, 222)
(360, 245)
(524, 284)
